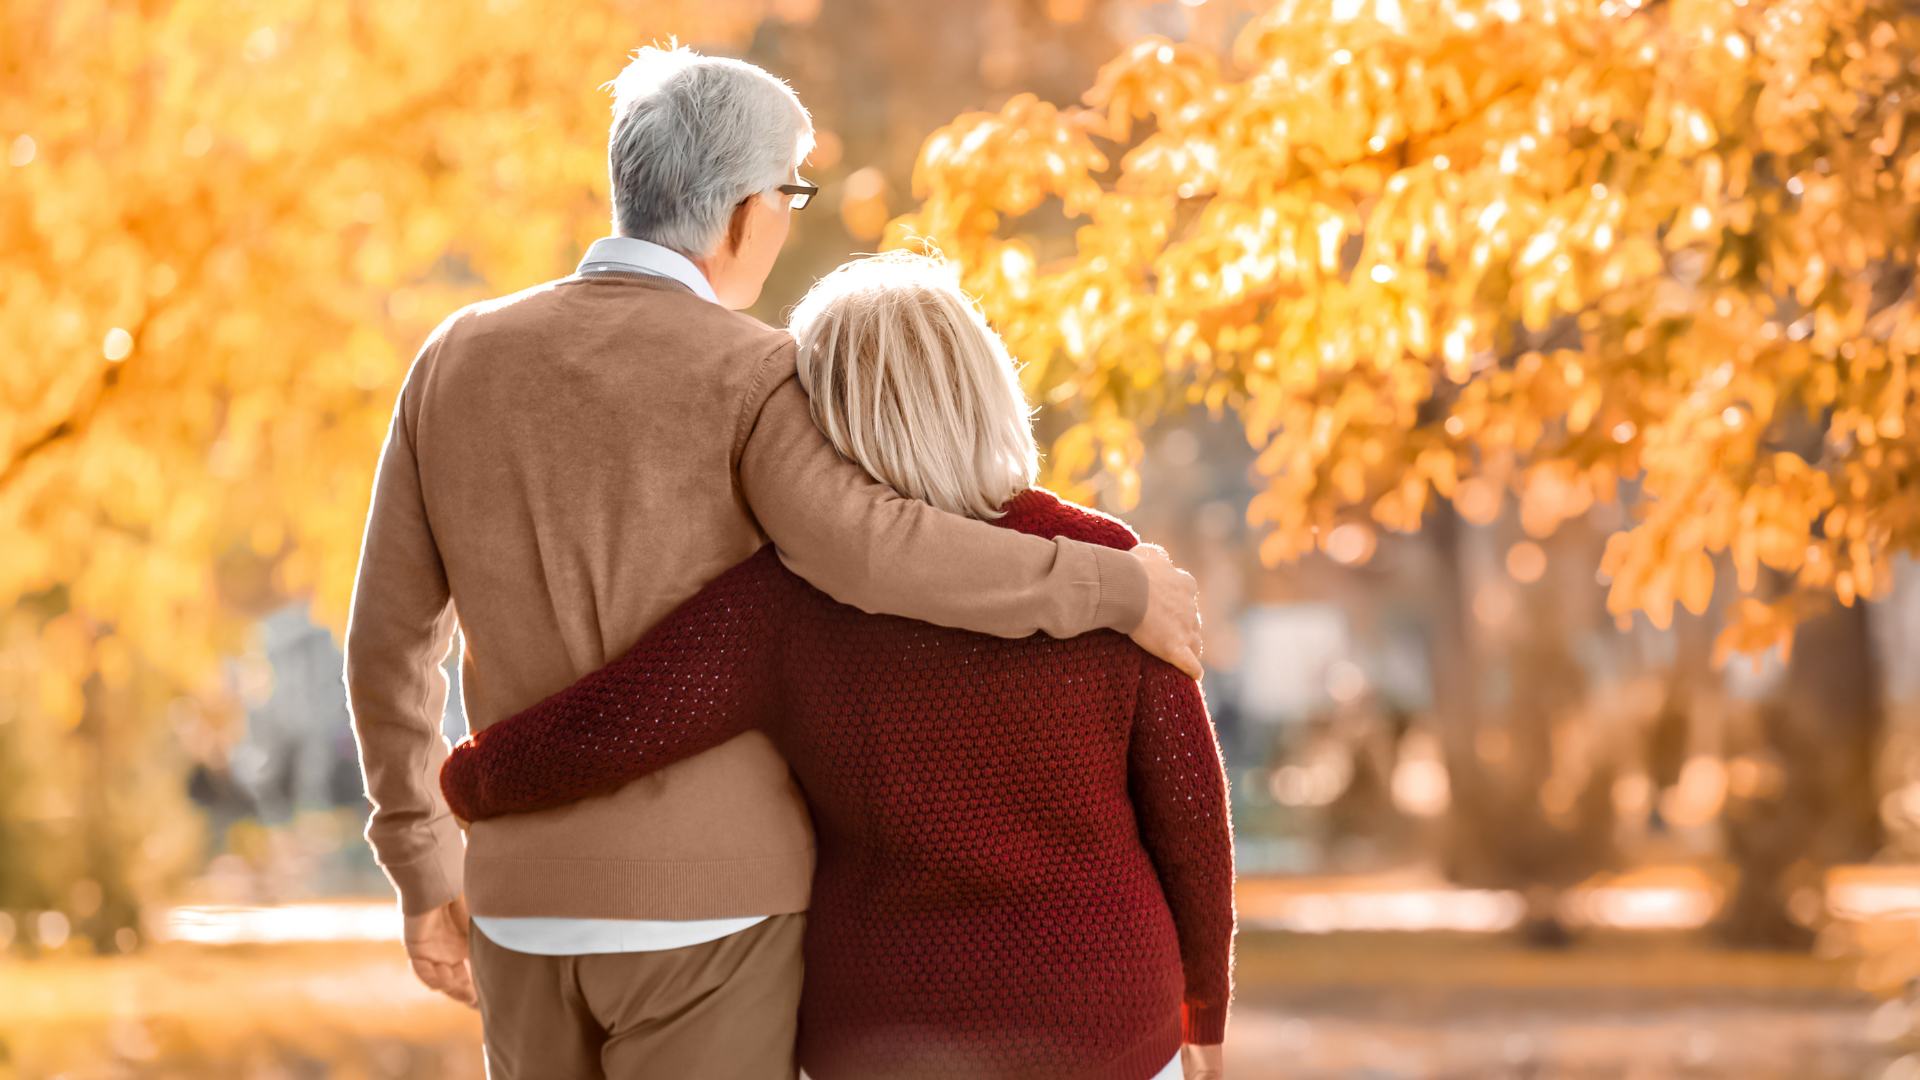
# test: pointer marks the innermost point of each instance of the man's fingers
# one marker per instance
(436, 943)
(1171, 629)
(453, 980)
(431, 975)
(1186, 660)
(434, 973)
(461, 987)
(457, 983)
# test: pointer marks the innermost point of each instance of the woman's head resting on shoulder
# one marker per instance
(909, 382)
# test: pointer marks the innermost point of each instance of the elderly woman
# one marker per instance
(1025, 861)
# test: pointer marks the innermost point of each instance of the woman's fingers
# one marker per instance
(1203, 1062)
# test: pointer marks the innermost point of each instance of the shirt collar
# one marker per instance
(634, 255)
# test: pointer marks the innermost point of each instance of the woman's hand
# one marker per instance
(1203, 1062)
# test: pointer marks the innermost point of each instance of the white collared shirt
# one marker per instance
(631, 255)
(544, 936)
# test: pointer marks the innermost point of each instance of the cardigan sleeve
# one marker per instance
(866, 545)
(399, 630)
(704, 674)
(1179, 795)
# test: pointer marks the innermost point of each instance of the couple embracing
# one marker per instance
(808, 732)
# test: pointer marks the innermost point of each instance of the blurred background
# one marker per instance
(1527, 384)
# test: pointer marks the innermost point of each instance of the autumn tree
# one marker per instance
(224, 234)
(1441, 257)
(222, 237)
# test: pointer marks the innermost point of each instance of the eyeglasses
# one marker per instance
(802, 193)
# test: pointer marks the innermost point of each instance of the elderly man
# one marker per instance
(564, 467)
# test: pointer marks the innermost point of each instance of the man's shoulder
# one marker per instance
(499, 309)
(654, 310)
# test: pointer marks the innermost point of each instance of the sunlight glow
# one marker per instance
(237, 924)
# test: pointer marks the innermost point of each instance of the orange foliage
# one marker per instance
(1555, 245)
(223, 231)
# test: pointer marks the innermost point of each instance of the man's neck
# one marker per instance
(705, 264)
(645, 255)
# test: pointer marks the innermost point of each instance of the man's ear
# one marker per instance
(738, 224)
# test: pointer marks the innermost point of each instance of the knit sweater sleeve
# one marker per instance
(702, 675)
(1180, 799)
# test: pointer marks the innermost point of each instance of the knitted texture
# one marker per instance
(1025, 858)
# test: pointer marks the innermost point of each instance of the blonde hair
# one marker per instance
(909, 382)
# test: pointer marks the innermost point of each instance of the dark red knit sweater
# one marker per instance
(1025, 861)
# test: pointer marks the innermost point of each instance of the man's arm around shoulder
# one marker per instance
(865, 544)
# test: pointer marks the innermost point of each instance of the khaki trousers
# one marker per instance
(722, 1010)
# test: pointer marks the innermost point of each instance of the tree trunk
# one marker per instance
(1814, 801)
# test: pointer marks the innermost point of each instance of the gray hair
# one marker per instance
(692, 136)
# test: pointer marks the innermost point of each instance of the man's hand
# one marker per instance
(437, 945)
(1203, 1062)
(1171, 630)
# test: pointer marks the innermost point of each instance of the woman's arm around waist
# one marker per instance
(704, 674)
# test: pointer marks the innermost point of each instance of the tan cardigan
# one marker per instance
(565, 466)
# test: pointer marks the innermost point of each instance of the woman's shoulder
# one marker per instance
(1040, 512)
